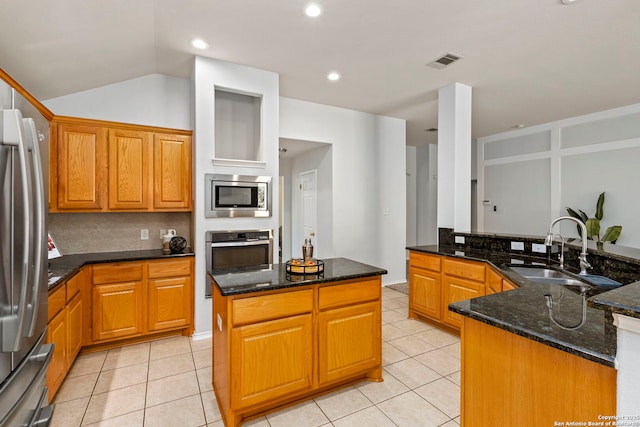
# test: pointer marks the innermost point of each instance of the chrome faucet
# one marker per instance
(548, 241)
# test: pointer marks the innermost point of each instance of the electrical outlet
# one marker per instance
(144, 234)
(459, 239)
(163, 231)
(538, 248)
(517, 246)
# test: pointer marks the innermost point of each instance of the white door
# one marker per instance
(309, 197)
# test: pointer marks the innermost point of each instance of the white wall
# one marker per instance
(534, 174)
(153, 100)
(412, 196)
(427, 197)
(209, 74)
(369, 198)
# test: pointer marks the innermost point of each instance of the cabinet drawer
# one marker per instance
(273, 306)
(465, 269)
(430, 262)
(73, 286)
(349, 293)
(117, 272)
(169, 268)
(56, 301)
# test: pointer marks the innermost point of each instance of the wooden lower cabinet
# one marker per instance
(275, 348)
(64, 330)
(425, 290)
(344, 349)
(74, 328)
(117, 310)
(271, 360)
(138, 298)
(509, 380)
(455, 289)
(169, 303)
(437, 281)
(57, 334)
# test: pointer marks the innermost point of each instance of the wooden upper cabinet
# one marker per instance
(171, 172)
(129, 164)
(81, 166)
(116, 167)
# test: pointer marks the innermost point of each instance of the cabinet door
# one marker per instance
(425, 293)
(74, 328)
(129, 169)
(172, 172)
(456, 289)
(82, 166)
(117, 310)
(507, 285)
(349, 341)
(169, 303)
(57, 334)
(271, 360)
(494, 282)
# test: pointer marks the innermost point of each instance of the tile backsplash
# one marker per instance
(76, 233)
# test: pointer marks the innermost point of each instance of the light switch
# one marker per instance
(459, 239)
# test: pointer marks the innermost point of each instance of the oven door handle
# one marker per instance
(244, 243)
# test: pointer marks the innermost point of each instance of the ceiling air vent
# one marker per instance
(444, 60)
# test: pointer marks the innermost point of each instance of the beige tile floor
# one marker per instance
(168, 383)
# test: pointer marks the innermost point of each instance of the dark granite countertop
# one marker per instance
(524, 310)
(66, 266)
(270, 277)
(624, 300)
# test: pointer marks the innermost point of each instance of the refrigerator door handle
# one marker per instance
(38, 224)
(13, 323)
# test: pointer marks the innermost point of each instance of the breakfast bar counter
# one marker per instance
(279, 338)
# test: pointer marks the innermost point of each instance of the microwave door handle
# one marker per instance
(12, 135)
(37, 222)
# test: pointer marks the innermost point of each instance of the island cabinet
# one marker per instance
(138, 298)
(64, 329)
(522, 382)
(98, 166)
(273, 348)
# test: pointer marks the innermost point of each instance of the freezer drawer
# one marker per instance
(23, 395)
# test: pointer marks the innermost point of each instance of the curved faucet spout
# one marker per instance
(584, 264)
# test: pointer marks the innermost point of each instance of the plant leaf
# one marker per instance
(573, 213)
(593, 228)
(600, 207)
(583, 216)
(612, 233)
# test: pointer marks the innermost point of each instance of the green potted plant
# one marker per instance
(611, 234)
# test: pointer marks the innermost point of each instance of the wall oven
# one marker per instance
(228, 249)
(237, 196)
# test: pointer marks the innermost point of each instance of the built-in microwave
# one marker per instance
(237, 196)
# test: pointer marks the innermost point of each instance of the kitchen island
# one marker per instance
(279, 338)
(527, 359)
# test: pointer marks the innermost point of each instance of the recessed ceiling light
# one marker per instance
(567, 2)
(519, 126)
(333, 76)
(313, 10)
(199, 44)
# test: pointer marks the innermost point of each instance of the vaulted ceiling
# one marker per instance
(528, 61)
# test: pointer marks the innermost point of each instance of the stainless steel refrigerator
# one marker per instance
(24, 356)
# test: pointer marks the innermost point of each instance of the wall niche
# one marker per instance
(238, 136)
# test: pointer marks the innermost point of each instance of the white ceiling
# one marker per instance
(528, 61)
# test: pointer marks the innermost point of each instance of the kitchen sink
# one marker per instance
(549, 276)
